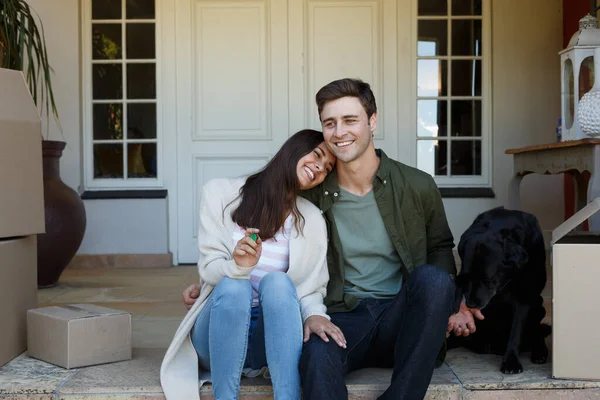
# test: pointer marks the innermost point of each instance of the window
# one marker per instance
(122, 139)
(452, 91)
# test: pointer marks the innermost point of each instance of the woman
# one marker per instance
(256, 292)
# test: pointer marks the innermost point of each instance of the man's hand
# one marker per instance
(190, 295)
(322, 327)
(247, 251)
(462, 323)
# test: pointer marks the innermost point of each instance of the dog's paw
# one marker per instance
(511, 365)
(539, 355)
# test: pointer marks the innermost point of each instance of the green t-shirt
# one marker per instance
(372, 266)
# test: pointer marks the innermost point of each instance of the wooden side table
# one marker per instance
(574, 156)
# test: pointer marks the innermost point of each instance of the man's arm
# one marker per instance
(440, 241)
(190, 295)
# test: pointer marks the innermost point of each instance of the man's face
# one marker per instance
(347, 129)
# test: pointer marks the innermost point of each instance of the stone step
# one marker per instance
(463, 376)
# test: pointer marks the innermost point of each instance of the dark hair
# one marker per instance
(347, 87)
(269, 194)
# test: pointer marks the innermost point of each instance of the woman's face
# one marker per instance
(314, 167)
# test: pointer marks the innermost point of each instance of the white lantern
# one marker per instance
(588, 112)
(577, 73)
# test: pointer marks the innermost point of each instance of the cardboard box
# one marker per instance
(18, 293)
(21, 209)
(21, 176)
(78, 335)
(575, 300)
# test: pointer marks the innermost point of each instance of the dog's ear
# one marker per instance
(461, 281)
(514, 253)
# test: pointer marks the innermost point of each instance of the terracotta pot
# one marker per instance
(65, 219)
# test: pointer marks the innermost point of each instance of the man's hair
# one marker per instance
(344, 88)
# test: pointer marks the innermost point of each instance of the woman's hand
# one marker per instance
(247, 251)
(322, 327)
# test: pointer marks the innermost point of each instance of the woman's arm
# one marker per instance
(313, 288)
(214, 239)
(313, 264)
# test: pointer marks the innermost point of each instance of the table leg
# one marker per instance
(594, 189)
(581, 193)
(514, 192)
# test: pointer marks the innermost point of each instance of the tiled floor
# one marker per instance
(152, 296)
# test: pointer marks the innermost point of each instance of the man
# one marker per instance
(391, 289)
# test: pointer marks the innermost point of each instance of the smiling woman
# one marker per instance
(276, 280)
(313, 167)
(268, 196)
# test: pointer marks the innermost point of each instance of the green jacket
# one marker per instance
(413, 213)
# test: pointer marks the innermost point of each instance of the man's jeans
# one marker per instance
(220, 335)
(404, 333)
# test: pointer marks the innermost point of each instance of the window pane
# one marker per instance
(141, 160)
(466, 78)
(108, 161)
(108, 122)
(141, 121)
(107, 81)
(466, 7)
(466, 117)
(433, 38)
(569, 95)
(141, 81)
(106, 42)
(466, 37)
(433, 7)
(586, 76)
(431, 78)
(139, 9)
(140, 41)
(466, 158)
(432, 117)
(432, 156)
(106, 9)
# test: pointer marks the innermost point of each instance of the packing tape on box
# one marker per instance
(83, 310)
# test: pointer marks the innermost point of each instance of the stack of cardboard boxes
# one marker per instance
(70, 335)
(21, 210)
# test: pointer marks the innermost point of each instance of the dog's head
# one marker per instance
(488, 264)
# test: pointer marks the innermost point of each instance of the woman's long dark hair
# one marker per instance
(270, 194)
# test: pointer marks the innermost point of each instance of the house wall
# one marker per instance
(527, 36)
(133, 226)
(126, 226)
(526, 39)
(60, 19)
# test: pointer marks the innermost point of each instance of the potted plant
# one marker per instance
(23, 48)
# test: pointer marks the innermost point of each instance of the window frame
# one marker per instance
(458, 181)
(88, 102)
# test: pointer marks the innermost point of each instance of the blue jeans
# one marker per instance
(220, 335)
(404, 333)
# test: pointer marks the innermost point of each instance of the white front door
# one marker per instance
(247, 74)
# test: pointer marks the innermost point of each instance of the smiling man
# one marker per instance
(390, 258)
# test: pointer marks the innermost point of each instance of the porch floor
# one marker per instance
(152, 296)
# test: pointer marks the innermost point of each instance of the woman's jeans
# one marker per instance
(226, 341)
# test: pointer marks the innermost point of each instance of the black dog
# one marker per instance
(503, 273)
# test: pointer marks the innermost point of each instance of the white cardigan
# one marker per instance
(179, 372)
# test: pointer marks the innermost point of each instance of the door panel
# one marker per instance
(247, 76)
(232, 97)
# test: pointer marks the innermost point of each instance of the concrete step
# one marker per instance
(463, 376)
